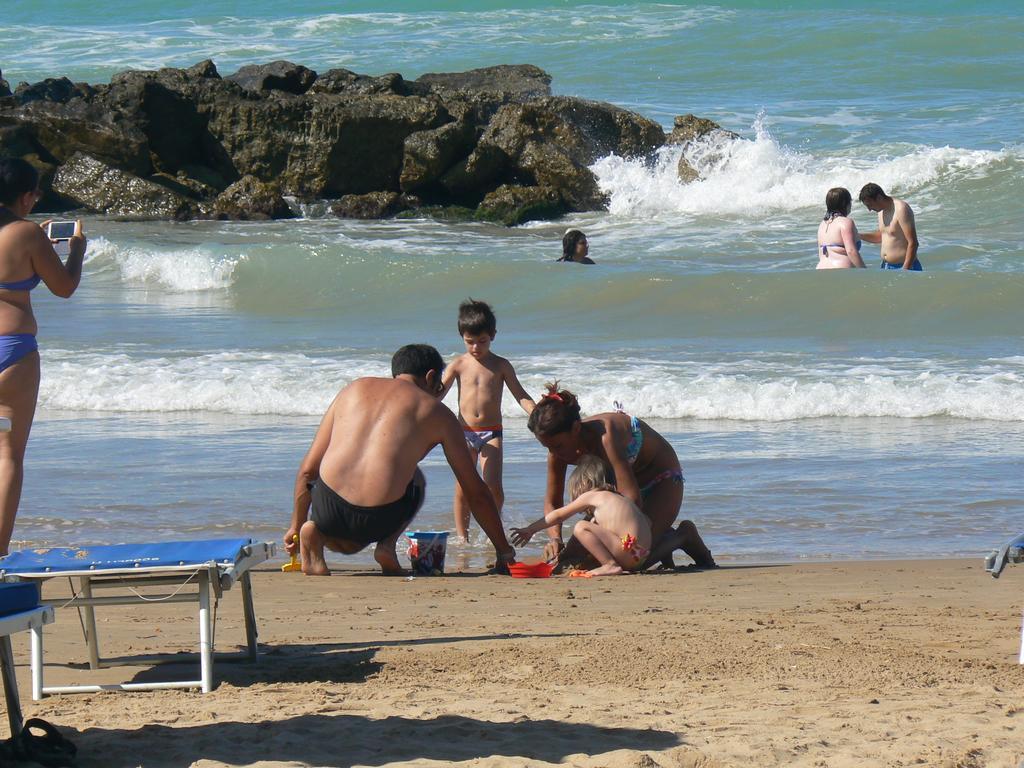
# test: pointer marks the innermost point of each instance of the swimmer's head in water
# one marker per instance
(571, 241)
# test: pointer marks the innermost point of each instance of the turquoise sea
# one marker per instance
(859, 414)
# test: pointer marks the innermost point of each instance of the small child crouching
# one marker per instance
(614, 530)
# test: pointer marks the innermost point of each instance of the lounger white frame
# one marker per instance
(218, 576)
(32, 619)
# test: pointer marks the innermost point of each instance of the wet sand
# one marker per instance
(842, 664)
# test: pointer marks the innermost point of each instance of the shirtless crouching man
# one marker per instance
(896, 231)
(361, 474)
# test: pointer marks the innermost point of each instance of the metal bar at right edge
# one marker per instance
(1021, 659)
(205, 646)
(91, 641)
(37, 662)
(251, 635)
(10, 683)
(123, 687)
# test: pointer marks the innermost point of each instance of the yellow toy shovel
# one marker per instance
(294, 565)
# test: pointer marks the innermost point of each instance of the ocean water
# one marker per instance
(855, 414)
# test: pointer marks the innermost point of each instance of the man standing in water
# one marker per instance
(361, 473)
(896, 231)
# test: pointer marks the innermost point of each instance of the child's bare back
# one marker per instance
(621, 516)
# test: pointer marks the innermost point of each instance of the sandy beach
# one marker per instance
(846, 664)
(278, 196)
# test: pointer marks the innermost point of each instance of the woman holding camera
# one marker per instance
(27, 258)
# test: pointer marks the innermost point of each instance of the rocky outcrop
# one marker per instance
(688, 129)
(55, 131)
(550, 142)
(373, 205)
(275, 76)
(507, 82)
(60, 90)
(251, 199)
(344, 81)
(187, 142)
(87, 182)
(511, 204)
(426, 155)
(685, 171)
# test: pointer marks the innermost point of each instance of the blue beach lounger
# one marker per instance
(1011, 552)
(19, 612)
(189, 570)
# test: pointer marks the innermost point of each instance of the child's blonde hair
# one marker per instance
(591, 474)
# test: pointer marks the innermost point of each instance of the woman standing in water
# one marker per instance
(645, 467)
(26, 259)
(838, 242)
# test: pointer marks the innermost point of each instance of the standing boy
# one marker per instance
(481, 376)
(897, 231)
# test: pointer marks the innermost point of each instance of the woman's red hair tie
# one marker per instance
(554, 396)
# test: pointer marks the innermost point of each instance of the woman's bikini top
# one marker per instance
(826, 246)
(21, 285)
(636, 441)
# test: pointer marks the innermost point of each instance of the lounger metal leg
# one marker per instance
(205, 646)
(14, 717)
(93, 643)
(1021, 659)
(37, 663)
(251, 635)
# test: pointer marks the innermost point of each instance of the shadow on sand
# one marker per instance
(343, 740)
(325, 662)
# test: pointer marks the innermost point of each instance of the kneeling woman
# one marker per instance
(645, 466)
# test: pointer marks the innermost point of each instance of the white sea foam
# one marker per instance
(176, 269)
(248, 382)
(744, 176)
(742, 399)
(226, 382)
(507, 25)
(328, 39)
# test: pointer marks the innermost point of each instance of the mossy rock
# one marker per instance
(512, 204)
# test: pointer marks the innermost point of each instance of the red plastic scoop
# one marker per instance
(539, 570)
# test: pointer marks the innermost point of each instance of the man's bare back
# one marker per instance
(360, 474)
(380, 430)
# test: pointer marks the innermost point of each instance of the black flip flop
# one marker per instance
(51, 749)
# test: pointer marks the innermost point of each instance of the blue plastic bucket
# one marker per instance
(426, 552)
